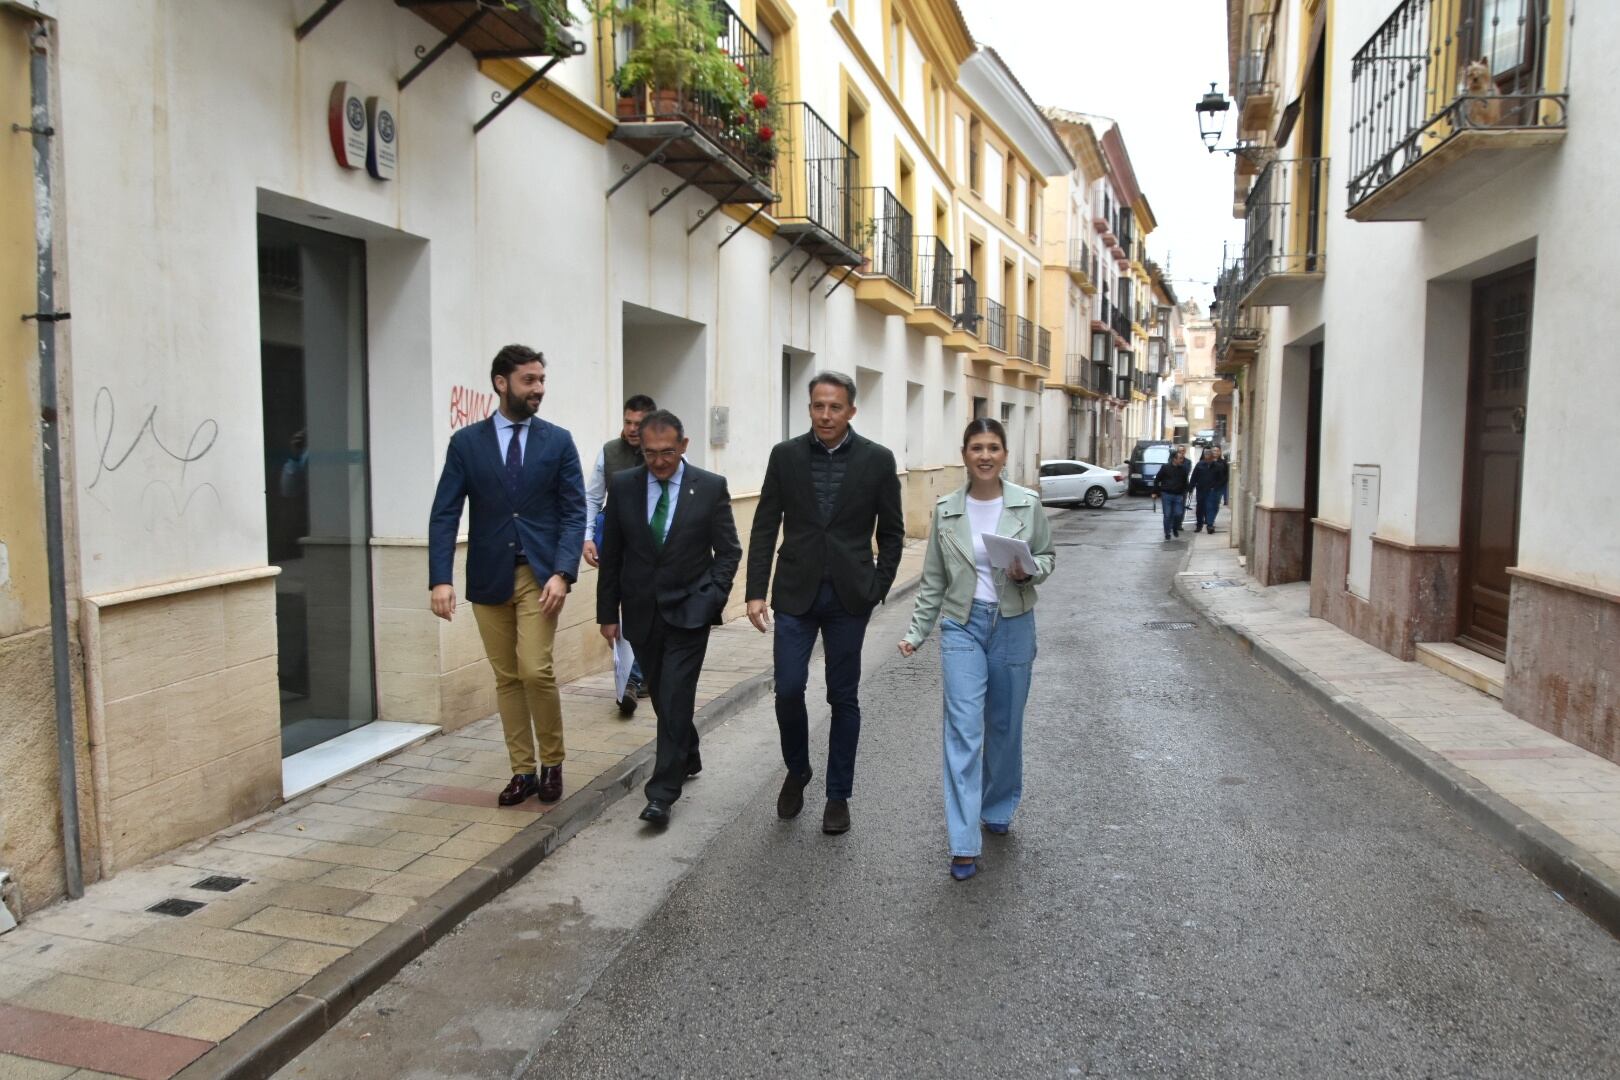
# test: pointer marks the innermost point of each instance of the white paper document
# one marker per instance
(623, 660)
(1007, 552)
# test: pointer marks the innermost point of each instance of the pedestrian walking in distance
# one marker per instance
(669, 555)
(520, 476)
(987, 639)
(1171, 482)
(617, 454)
(829, 490)
(1209, 485)
(1201, 483)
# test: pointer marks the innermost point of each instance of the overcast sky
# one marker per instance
(1145, 63)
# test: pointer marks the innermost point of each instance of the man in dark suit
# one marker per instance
(828, 490)
(521, 477)
(669, 555)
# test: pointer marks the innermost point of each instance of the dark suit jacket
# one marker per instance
(841, 546)
(549, 512)
(688, 580)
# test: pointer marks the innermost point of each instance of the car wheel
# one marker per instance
(1096, 497)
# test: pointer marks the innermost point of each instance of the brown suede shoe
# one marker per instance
(550, 783)
(835, 819)
(791, 798)
(522, 786)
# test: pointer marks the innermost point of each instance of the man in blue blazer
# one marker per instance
(521, 477)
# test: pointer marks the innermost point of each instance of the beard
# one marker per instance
(518, 404)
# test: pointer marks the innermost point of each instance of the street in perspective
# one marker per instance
(798, 538)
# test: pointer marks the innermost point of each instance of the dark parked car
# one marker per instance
(1146, 460)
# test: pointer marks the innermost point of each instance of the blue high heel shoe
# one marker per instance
(963, 871)
(996, 830)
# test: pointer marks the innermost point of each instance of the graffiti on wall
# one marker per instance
(468, 406)
(162, 500)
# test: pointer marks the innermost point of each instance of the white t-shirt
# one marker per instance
(983, 517)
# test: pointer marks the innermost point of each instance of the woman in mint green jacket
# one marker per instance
(987, 639)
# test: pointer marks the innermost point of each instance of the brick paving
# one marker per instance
(1574, 793)
(103, 987)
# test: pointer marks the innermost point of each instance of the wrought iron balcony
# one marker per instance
(1256, 90)
(995, 321)
(887, 236)
(1286, 226)
(969, 316)
(1077, 370)
(1102, 379)
(815, 177)
(1043, 346)
(1080, 265)
(935, 276)
(1025, 342)
(1441, 92)
(1237, 328)
(1120, 323)
(704, 134)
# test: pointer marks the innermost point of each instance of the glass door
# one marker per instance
(312, 318)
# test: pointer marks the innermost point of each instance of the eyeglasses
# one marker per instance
(661, 455)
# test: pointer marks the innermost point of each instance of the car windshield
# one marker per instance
(1156, 455)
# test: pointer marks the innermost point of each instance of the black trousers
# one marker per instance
(671, 661)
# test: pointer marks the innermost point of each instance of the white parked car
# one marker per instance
(1076, 482)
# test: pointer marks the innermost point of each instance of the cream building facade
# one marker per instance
(1421, 359)
(273, 345)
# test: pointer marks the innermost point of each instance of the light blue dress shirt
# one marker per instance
(653, 491)
(503, 434)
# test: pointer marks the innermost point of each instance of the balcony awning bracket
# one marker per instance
(741, 226)
(577, 49)
(848, 271)
(656, 157)
(780, 259)
(808, 259)
(818, 279)
(670, 196)
(426, 57)
(708, 211)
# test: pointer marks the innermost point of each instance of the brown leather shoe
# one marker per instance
(836, 818)
(791, 798)
(550, 783)
(522, 786)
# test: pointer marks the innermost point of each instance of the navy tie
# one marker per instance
(514, 474)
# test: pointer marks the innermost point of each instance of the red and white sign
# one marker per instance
(347, 124)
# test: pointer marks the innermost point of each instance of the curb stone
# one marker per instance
(277, 1035)
(1573, 873)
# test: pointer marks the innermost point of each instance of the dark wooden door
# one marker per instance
(1498, 381)
(1313, 456)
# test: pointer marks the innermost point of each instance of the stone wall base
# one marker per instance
(1414, 592)
(1563, 661)
(1280, 535)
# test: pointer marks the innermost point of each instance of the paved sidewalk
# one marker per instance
(339, 888)
(1553, 804)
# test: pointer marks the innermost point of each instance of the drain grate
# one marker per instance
(178, 908)
(1170, 625)
(220, 883)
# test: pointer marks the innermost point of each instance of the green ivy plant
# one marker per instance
(552, 15)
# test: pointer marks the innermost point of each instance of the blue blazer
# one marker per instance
(549, 512)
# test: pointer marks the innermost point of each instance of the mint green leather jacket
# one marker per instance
(949, 576)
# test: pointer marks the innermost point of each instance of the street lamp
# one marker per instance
(1212, 117)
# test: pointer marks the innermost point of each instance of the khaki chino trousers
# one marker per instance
(518, 637)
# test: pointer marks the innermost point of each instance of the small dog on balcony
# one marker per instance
(1482, 105)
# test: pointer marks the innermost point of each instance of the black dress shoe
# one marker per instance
(836, 818)
(550, 783)
(522, 786)
(791, 799)
(656, 813)
(641, 687)
(627, 704)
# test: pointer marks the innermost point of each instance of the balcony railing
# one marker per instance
(731, 128)
(1236, 325)
(1079, 263)
(1102, 380)
(1256, 90)
(815, 176)
(1440, 70)
(1120, 322)
(1286, 224)
(935, 274)
(1123, 389)
(1043, 347)
(888, 236)
(968, 314)
(995, 322)
(1076, 370)
(1025, 342)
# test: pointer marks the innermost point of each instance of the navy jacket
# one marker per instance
(549, 512)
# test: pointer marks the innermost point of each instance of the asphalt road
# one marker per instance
(1207, 878)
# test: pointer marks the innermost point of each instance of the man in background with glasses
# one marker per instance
(668, 556)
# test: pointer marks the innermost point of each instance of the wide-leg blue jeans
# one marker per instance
(987, 663)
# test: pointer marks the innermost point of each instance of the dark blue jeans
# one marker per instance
(842, 636)
(1209, 504)
(1175, 509)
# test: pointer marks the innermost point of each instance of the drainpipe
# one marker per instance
(46, 317)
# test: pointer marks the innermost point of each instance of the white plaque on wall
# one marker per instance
(719, 425)
(1363, 523)
(346, 123)
(382, 150)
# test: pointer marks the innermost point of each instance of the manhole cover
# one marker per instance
(177, 908)
(220, 883)
(1170, 625)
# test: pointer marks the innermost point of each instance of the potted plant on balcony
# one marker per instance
(761, 116)
(675, 48)
(553, 17)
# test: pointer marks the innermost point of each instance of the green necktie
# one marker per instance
(660, 514)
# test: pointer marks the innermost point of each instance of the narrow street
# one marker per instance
(1207, 878)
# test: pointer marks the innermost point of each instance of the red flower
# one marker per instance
(765, 134)
(742, 67)
(741, 119)
(760, 100)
